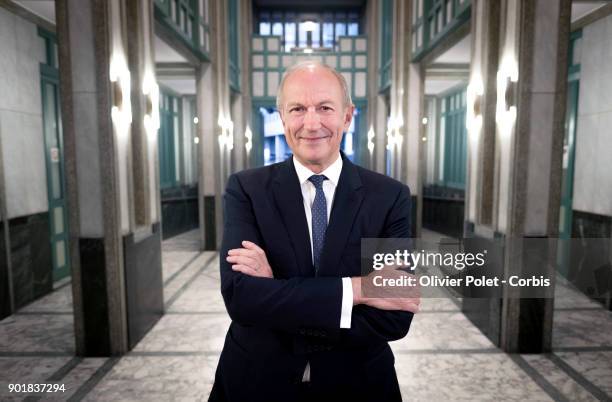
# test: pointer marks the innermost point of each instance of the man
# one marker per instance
(290, 262)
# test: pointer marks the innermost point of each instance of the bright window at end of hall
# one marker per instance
(264, 28)
(312, 29)
(328, 34)
(340, 29)
(277, 29)
(290, 36)
(353, 29)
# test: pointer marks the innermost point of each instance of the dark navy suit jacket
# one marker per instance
(280, 324)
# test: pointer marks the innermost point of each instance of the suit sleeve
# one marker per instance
(370, 325)
(284, 304)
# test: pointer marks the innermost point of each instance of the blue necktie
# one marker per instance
(319, 218)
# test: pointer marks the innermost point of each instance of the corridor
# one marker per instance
(444, 357)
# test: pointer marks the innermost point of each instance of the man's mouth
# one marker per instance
(314, 139)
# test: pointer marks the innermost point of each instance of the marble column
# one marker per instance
(216, 128)
(482, 101)
(115, 253)
(534, 40)
(376, 114)
(409, 98)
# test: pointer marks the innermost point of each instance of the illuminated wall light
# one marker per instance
(248, 134)
(394, 137)
(473, 122)
(151, 119)
(226, 138)
(371, 136)
(196, 120)
(121, 111)
(424, 139)
(424, 121)
(196, 140)
(507, 78)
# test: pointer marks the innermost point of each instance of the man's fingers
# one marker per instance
(252, 246)
(244, 269)
(243, 252)
(243, 260)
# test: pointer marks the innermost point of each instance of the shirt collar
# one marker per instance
(332, 172)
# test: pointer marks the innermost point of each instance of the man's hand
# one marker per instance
(250, 260)
(403, 300)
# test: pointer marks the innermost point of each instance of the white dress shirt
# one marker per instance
(308, 194)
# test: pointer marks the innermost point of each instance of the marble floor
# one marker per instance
(443, 358)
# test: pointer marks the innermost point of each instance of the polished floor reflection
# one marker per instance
(444, 357)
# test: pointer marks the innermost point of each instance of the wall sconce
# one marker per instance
(248, 134)
(226, 138)
(371, 136)
(150, 90)
(394, 138)
(121, 111)
(507, 88)
(473, 121)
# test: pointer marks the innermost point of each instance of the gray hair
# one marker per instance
(346, 94)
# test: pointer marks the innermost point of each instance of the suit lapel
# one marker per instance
(347, 201)
(288, 198)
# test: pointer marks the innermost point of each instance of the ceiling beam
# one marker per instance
(591, 17)
(27, 15)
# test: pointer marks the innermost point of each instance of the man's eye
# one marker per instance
(296, 109)
(326, 108)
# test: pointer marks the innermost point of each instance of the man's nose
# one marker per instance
(312, 121)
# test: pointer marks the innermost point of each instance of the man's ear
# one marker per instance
(348, 116)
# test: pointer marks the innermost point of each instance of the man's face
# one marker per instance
(314, 116)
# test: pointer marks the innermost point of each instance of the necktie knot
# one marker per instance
(317, 180)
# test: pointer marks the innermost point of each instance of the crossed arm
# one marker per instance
(254, 297)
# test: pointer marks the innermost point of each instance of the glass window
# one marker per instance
(432, 28)
(302, 35)
(340, 29)
(353, 29)
(576, 51)
(314, 30)
(328, 34)
(264, 28)
(316, 34)
(290, 36)
(277, 28)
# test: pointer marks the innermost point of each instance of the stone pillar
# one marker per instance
(481, 104)
(215, 128)
(114, 254)
(533, 53)
(407, 98)
(374, 159)
(481, 153)
(245, 14)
